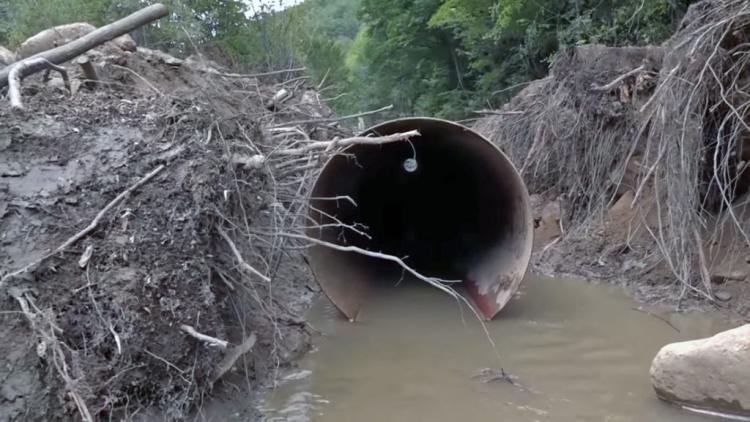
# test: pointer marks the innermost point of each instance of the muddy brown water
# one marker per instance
(576, 352)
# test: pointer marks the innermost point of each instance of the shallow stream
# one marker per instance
(570, 351)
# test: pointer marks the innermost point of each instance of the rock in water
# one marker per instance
(711, 374)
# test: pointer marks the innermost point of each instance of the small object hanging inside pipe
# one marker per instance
(449, 200)
(410, 165)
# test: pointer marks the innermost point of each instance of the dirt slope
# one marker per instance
(101, 335)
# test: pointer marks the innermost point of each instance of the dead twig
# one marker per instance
(181, 372)
(661, 318)
(98, 310)
(94, 223)
(238, 256)
(43, 324)
(212, 341)
(336, 119)
(356, 140)
(435, 282)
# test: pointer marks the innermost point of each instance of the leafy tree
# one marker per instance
(335, 19)
(457, 53)
(511, 41)
(398, 58)
(434, 57)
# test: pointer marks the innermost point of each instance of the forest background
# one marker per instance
(441, 58)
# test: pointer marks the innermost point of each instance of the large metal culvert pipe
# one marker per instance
(461, 213)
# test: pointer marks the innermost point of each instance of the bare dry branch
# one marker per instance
(138, 75)
(94, 223)
(238, 256)
(254, 75)
(612, 85)
(27, 67)
(212, 341)
(256, 161)
(336, 119)
(433, 281)
(501, 112)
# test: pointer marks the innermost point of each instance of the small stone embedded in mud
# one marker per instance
(169, 304)
(723, 295)
(5, 139)
(633, 264)
(294, 344)
(12, 170)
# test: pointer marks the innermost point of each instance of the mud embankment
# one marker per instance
(96, 328)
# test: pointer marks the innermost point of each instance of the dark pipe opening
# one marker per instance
(462, 214)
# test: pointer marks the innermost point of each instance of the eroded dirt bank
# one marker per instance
(98, 328)
(637, 159)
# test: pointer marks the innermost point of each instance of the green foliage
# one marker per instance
(433, 57)
(447, 57)
(397, 58)
(336, 19)
(24, 18)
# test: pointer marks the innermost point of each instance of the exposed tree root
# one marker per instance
(25, 68)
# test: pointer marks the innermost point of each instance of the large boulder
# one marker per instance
(712, 373)
(6, 56)
(63, 34)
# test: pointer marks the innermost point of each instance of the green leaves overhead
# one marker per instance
(447, 57)
(441, 58)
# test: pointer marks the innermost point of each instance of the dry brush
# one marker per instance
(669, 124)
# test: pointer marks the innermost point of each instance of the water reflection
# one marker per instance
(568, 351)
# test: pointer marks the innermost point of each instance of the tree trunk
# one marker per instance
(106, 33)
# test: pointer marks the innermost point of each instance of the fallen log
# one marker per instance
(26, 68)
(94, 39)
